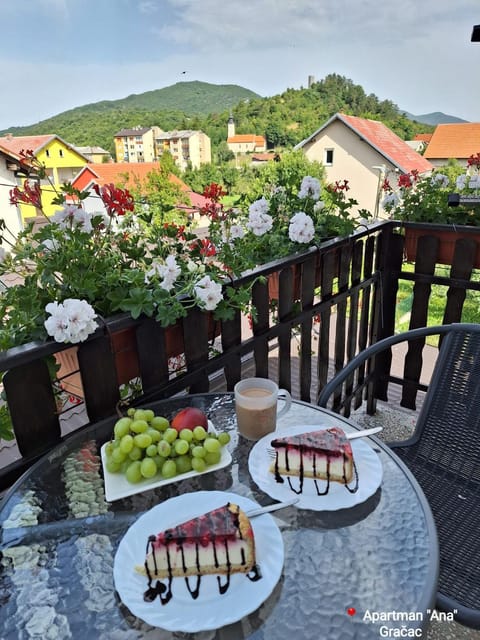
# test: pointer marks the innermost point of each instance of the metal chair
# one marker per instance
(443, 454)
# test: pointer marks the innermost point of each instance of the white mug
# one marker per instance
(256, 402)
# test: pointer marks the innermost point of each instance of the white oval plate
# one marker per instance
(210, 610)
(117, 486)
(368, 463)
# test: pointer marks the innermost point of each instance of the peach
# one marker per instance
(189, 418)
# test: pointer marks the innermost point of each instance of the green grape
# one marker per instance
(181, 447)
(148, 415)
(131, 412)
(164, 448)
(169, 469)
(198, 464)
(159, 423)
(148, 468)
(159, 461)
(140, 415)
(109, 447)
(184, 464)
(170, 435)
(126, 443)
(142, 440)
(133, 472)
(224, 438)
(199, 433)
(211, 445)
(122, 427)
(199, 452)
(135, 453)
(151, 450)
(186, 434)
(139, 426)
(113, 467)
(118, 455)
(213, 457)
(155, 435)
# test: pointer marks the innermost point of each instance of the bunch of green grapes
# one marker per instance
(145, 445)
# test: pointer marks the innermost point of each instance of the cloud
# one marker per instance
(263, 24)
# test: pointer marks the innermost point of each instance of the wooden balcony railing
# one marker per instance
(346, 289)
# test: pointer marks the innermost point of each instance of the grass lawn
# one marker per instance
(436, 308)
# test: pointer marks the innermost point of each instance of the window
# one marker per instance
(60, 153)
(47, 153)
(328, 157)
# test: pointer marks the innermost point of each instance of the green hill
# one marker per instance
(284, 119)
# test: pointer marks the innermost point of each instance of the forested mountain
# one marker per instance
(284, 119)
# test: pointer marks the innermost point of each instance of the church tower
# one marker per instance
(230, 127)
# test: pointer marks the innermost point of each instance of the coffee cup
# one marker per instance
(256, 402)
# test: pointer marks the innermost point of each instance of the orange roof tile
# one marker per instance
(388, 144)
(423, 137)
(455, 140)
(247, 137)
(25, 143)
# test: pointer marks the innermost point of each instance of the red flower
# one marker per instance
(339, 186)
(116, 201)
(474, 160)
(386, 186)
(204, 246)
(29, 194)
(214, 192)
(405, 180)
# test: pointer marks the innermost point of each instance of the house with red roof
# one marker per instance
(364, 152)
(128, 175)
(61, 160)
(455, 140)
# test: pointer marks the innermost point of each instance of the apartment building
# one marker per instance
(186, 147)
(136, 145)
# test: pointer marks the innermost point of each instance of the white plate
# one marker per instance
(368, 463)
(117, 486)
(210, 610)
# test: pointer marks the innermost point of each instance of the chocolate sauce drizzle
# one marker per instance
(310, 450)
(197, 532)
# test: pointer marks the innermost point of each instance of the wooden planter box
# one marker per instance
(447, 240)
(126, 358)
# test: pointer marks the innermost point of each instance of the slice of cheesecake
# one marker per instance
(218, 542)
(323, 455)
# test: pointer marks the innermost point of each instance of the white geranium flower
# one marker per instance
(3, 254)
(236, 232)
(259, 207)
(440, 179)
(474, 182)
(71, 321)
(461, 181)
(391, 200)
(208, 293)
(301, 228)
(310, 188)
(318, 206)
(167, 272)
(49, 245)
(259, 223)
(72, 215)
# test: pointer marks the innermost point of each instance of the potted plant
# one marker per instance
(448, 198)
(289, 217)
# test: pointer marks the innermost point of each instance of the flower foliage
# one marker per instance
(425, 198)
(281, 222)
(62, 277)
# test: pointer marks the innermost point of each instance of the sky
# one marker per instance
(60, 54)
